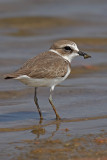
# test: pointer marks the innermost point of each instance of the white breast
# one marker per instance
(44, 82)
(66, 57)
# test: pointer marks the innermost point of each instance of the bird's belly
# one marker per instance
(44, 82)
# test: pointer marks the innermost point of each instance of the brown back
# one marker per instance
(47, 64)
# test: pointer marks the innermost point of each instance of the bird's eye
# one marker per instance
(67, 48)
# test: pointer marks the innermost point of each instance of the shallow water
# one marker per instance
(81, 100)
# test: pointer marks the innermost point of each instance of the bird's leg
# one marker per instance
(50, 101)
(36, 102)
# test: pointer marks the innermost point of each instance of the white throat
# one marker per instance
(66, 57)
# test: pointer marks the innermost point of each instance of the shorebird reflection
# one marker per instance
(40, 129)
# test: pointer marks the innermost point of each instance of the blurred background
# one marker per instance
(28, 27)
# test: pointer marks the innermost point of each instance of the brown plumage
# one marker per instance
(48, 69)
(42, 66)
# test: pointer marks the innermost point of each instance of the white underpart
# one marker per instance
(70, 56)
(44, 82)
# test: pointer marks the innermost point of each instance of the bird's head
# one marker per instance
(67, 49)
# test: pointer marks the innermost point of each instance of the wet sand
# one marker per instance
(81, 100)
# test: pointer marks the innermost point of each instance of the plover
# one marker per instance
(48, 69)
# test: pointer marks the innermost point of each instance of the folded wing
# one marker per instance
(47, 64)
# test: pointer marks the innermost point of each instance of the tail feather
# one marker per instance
(16, 74)
(9, 76)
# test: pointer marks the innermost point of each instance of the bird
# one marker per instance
(48, 69)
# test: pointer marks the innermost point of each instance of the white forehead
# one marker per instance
(72, 45)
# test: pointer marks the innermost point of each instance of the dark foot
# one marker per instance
(41, 120)
(58, 117)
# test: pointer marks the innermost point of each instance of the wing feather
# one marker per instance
(47, 64)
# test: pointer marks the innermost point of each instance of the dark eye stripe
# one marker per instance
(67, 48)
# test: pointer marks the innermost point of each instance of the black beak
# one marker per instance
(85, 55)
